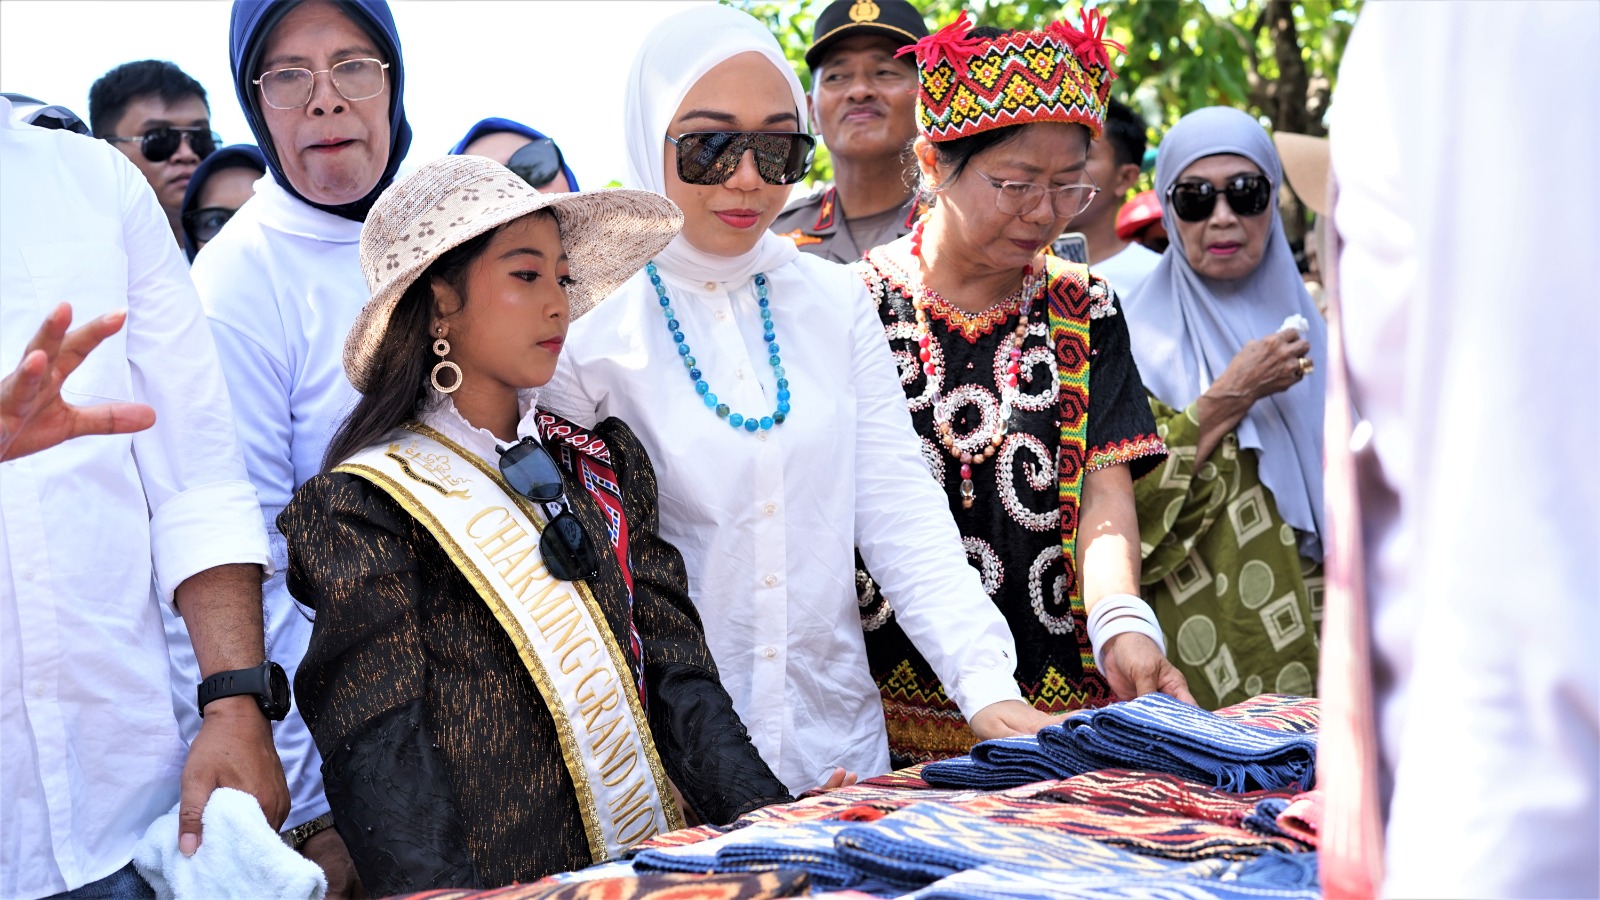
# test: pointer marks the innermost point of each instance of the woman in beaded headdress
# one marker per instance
(759, 381)
(1019, 379)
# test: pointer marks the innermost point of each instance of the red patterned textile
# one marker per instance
(1278, 712)
(742, 886)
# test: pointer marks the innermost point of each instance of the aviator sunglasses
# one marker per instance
(538, 163)
(564, 543)
(158, 144)
(710, 157)
(1248, 195)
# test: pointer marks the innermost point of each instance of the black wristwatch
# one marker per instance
(267, 682)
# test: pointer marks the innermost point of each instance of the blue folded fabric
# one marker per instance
(808, 846)
(1154, 733)
(991, 883)
(925, 842)
(1264, 818)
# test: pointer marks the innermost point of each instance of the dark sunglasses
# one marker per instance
(710, 157)
(1248, 195)
(537, 163)
(158, 144)
(564, 544)
(203, 224)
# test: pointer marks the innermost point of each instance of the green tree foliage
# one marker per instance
(1276, 59)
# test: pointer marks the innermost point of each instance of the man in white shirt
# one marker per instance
(97, 532)
(1114, 164)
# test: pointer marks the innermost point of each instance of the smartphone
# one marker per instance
(1072, 247)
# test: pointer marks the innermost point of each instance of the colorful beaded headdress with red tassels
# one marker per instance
(972, 84)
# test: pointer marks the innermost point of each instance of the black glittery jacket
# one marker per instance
(440, 758)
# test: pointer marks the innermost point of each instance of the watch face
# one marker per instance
(278, 692)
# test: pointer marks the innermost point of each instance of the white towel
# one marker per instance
(240, 856)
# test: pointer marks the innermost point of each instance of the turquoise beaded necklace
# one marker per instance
(736, 420)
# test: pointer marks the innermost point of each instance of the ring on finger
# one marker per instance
(1305, 365)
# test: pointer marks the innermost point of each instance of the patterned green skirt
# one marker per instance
(1241, 609)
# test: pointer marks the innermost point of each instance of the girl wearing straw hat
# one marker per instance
(507, 677)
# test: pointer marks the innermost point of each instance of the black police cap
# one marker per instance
(896, 20)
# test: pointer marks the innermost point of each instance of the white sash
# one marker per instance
(556, 625)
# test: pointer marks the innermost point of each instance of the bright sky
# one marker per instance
(557, 65)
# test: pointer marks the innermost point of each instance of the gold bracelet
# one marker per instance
(297, 836)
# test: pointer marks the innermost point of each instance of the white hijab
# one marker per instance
(674, 56)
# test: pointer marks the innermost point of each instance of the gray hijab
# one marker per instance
(1186, 328)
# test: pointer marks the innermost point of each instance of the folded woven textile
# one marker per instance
(806, 846)
(1302, 819)
(928, 841)
(1276, 712)
(993, 883)
(742, 886)
(1263, 819)
(1176, 837)
(1152, 732)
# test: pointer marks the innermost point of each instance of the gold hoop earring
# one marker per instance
(441, 348)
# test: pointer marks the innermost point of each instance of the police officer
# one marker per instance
(863, 104)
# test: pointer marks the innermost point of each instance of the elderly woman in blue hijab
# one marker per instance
(322, 87)
(219, 186)
(526, 151)
(1228, 342)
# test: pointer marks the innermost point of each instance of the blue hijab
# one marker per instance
(252, 23)
(494, 125)
(233, 156)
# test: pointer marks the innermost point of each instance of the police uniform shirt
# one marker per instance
(817, 225)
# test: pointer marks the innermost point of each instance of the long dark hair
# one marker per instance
(401, 365)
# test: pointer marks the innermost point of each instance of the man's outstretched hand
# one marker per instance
(33, 416)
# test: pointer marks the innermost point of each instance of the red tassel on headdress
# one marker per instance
(1090, 43)
(950, 42)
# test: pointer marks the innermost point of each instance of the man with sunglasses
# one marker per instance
(159, 118)
(863, 104)
(534, 157)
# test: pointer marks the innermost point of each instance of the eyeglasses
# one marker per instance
(1014, 198)
(158, 144)
(564, 544)
(1193, 201)
(710, 157)
(203, 224)
(354, 79)
(537, 163)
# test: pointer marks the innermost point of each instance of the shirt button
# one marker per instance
(761, 435)
(37, 690)
(770, 652)
(721, 316)
(772, 581)
(741, 374)
(769, 508)
(711, 285)
(27, 574)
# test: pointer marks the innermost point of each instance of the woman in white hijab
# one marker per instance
(1228, 343)
(760, 382)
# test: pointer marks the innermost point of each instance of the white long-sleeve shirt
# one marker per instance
(281, 285)
(1468, 285)
(96, 533)
(768, 523)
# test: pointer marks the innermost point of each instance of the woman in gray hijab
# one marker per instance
(1229, 344)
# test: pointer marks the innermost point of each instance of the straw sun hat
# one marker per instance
(608, 235)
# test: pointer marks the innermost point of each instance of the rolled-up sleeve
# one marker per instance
(203, 510)
(910, 542)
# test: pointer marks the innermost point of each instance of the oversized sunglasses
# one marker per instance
(354, 79)
(1193, 201)
(158, 144)
(538, 163)
(711, 157)
(203, 224)
(568, 553)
